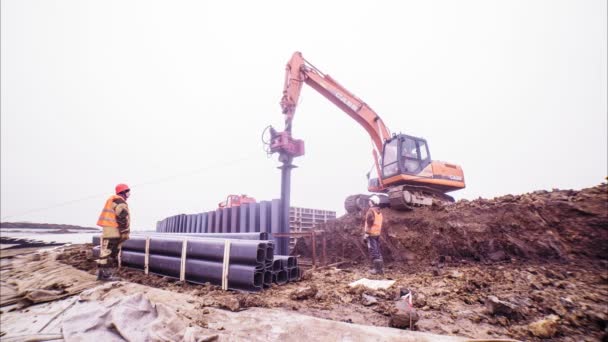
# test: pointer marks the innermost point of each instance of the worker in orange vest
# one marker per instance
(372, 230)
(115, 222)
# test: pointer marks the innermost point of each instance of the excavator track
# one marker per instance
(407, 197)
(356, 203)
(402, 197)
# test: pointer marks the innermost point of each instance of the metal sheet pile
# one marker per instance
(237, 261)
(264, 216)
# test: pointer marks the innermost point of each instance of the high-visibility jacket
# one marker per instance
(108, 217)
(376, 227)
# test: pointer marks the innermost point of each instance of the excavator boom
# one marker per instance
(299, 71)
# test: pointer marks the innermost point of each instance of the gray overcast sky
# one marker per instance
(171, 97)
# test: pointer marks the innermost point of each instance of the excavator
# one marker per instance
(235, 201)
(407, 176)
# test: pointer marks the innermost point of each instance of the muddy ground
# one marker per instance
(529, 267)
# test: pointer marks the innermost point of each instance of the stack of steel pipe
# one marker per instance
(246, 218)
(203, 259)
(252, 263)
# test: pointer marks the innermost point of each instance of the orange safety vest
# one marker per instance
(376, 227)
(107, 218)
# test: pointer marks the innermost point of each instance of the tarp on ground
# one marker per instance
(38, 278)
(130, 318)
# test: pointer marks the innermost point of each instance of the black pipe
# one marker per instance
(269, 252)
(165, 259)
(247, 252)
(294, 274)
(197, 271)
(288, 260)
(231, 236)
(280, 277)
(277, 265)
(267, 279)
(240, 277)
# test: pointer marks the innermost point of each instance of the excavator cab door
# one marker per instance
(414, 155)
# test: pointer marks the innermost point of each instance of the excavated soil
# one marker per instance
(529, 267)
(538, 226)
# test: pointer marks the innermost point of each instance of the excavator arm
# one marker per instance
(299, 71)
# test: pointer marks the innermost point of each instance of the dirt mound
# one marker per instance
(558, 225)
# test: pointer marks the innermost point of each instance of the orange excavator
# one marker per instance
(235, 201)
(407, 176)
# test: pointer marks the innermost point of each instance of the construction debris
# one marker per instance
(373, 284)
(404, 316)
(303, 292)
(545, 328)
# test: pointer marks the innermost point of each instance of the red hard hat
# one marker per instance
(121, 187)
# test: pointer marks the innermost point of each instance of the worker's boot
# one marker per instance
(100, 274)
(378, 266)
(374, 269)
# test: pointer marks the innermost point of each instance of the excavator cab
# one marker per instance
(404, 154)
(411, 178)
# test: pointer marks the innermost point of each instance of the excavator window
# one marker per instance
(423, 150)
(411, 157)
(414, 154)
(390, 160)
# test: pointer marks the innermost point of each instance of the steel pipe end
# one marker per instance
(261, 255)
(258, 279)
(267, 278)
(277, 265)
(294, 274)
(269, 252)
(291, 262)
(282, 277)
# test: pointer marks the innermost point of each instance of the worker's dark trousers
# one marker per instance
(108, 253)
(373, 243)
